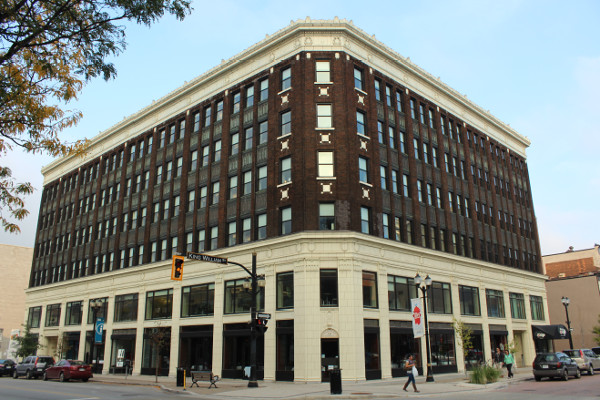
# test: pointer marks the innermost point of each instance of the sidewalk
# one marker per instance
(238, 389)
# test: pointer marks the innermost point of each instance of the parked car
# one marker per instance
(69, 369)
(586, 359)
(33, 366)
(554, 365)
(7, 367)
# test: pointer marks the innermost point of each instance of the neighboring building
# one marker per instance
(572, 262)
(574, 274)
(345, 167)
(14, 268)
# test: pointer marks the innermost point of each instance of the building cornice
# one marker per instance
(337, 35)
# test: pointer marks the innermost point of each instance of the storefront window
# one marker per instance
(329, 288)
(126, 307)
(443, 358)
(400, 291)
(198, 300)
(236, 352)
(239, 300)
(369, 286)
(439, 300)
(285, 290)
(495, 303)
(403, 344)
(52, 314)
(372, 348)
(284, 368)
(159, 304)
(537, 308)
(469, 300)
(35, 314)
(73, 313)
(517, 305)
(122, 352)
(156, 351)
(196, 347)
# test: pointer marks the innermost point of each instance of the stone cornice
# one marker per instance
(307, 35)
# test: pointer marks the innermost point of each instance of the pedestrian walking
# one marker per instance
(498, 358)
(411, 371)
(509, 360)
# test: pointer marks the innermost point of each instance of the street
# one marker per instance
(36, 389)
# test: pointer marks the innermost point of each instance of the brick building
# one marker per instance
(345, 167)
(572, 262)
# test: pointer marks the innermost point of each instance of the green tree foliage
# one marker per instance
(48, 50)
(464, 336)
(28, 343)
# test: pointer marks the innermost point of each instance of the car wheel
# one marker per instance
(62, 378)
(85, 379)
(45, 376)
(15, 374)
(577, 374)
(565, 375)
(591, 370)
(538, 378)
(28, 374)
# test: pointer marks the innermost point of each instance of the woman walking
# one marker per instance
(509, 361)
(410, 364)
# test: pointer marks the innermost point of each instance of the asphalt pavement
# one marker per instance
(382, 388)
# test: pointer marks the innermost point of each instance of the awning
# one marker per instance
(549, 332)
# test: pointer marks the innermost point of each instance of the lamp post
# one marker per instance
(566, 301)
(95, 305)
(423, 284)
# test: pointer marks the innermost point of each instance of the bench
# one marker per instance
(204, 376)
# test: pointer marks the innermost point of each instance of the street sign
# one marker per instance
(263, 315)
(206, 257)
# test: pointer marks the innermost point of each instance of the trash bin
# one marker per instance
(180, 377)
(335, 381)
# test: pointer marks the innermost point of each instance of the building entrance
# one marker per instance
(330, 357)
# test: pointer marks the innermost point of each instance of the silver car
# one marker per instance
(586, 359)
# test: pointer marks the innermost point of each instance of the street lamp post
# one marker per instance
(566, 301)
(95, 306)
(423, 284)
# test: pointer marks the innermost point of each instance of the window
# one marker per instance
(536, 304)
(201, 240)
(285, 170)
(264, 90)
(286, 78)
(360, 123)
(469, 300)
(261, 226)
(377, 90)
(369, 286)
(325, 167)
(383, 175)
(323, 72)
(238, 299)
(233, 187)
(217, 151)
(207, 112)
(517, 305)
(196, 126)
(495, 303)
(431, 120)
(363, 170)
(263, 130)
(413, 110)
(191, 200)
(198, 300)
(247, 183)
(285, 290)
(235, 144)
(248, 137)
(405, 187)
(101, 313)
(358, 79)
(237, 98)
(326, 216)
(73, 313)
(365, 220)
(249, 96)
(392, 137)
(232, 233)
(219, 115)
(286, 220)
(395, 181)
(216, 186)
(324, 116)
(439, 300)
(386, 225)
(203, 197)
(402, 138)
(261, 181)
(400, 291)
(34, 316)
(166, 205)
(126, 307)
(422, 114)
(159, 304)
(380, 132)
(205, 155)
(416, 148)
(176, 206)
(429, 194)
(420, 190)
(399, 102)
(214, 238)
(246, 230)
(329, 287)
(388, 96)
(286, 123)
(52, 314)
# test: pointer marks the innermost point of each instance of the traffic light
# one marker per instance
(177, 268)
(261, 325)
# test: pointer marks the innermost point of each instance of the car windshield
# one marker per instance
(572, 353)
(589, 353)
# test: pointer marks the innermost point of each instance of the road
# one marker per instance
(36, 389)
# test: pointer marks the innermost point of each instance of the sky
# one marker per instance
(534, 64)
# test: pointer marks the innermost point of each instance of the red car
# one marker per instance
(69, 369)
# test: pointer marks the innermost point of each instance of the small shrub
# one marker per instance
(481, 375)
(491, 373)
(477, 376)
